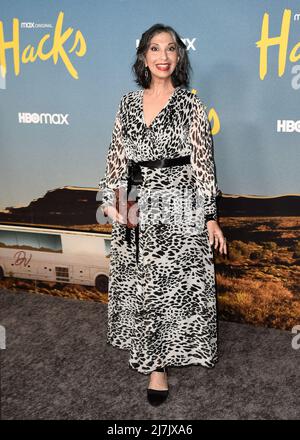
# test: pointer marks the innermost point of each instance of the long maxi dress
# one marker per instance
(162, 307)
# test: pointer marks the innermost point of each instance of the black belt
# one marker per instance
(135, 178)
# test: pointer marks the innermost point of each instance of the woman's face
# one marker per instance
(162, 55)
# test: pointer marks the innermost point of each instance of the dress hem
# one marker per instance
(153, 368)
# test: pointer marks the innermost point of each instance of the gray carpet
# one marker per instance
(57, 365)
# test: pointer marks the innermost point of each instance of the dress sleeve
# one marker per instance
(116, 162)
(202, 159)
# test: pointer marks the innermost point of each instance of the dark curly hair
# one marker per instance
(181, 74)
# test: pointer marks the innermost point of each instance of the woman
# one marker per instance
(162, 301)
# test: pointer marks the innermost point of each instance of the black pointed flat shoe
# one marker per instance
(156, 397)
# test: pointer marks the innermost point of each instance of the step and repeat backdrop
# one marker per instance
(64, 66)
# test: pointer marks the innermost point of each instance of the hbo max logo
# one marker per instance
(43, 118)
(189, 42)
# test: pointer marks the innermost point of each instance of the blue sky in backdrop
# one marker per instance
(251, 157)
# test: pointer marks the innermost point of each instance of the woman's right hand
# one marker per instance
(112, 212)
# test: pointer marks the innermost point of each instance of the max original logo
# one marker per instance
(31, 53)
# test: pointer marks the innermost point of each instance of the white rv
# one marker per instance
(55, 255)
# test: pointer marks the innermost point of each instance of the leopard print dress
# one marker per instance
(162, 307)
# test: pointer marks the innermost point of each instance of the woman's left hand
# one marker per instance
(216, 236)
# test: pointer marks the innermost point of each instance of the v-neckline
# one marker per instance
(142, 106)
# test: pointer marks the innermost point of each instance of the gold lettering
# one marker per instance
(79, 40)
(28, 55)
(265, 42)
(293, 56)
(13, 44)
(43, 56)
(213, 116)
